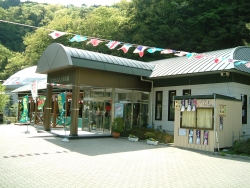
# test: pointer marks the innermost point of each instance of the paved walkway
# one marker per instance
(42, 160)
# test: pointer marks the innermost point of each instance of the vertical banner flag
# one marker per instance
(40, 102)
(34, 90)
(25, 113)
(61, 106)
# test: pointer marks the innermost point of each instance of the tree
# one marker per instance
(3, 98)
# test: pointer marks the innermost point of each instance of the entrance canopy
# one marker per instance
(57, 56)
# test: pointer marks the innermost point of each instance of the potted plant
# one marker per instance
(133, 138)
(117, 127)
(151, 138)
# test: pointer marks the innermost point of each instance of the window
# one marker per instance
(202, 118)
(186, 92)
(244, 108)
(171, 108)
(158, 105)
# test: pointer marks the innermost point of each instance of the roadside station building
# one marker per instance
(142, 93)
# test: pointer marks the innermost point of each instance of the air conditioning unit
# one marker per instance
(225, 74)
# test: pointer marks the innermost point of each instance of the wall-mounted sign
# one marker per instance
(223, 110)
(177, 104)
(182, 132)
(205, 103)
(59, 79)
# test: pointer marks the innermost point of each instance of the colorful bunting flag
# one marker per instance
(181, 53)
(152, 50)
(199, 56)
(56, 34)
(78, 38)
(125, 47)
(112, 44)
(248, 65)
(94, 42)
(218, 59)
(240, 62)
(167, 51)
(140, 50)
(190, 55)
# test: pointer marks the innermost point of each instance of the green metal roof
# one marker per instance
(178, 66)
(56, 56)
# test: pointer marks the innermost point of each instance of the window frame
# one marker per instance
(171, 105)
(158, 102)
(196, 126)
(244, 107)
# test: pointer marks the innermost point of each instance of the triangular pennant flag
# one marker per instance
(78, 38)
(112, 44)
(140, 50)
(125, 47)
(218, 59)
(190, 55)
(248, 65)
(181, 53)
(199, 56)
(152, 50)
(94, 42)
(167, 51)
(56, 34)
(240, 62)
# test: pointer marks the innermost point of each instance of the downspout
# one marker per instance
(151, 98)
(215, 121)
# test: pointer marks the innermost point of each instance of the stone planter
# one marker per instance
(131, 139)
(152, 142)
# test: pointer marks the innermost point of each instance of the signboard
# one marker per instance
(205, 103)
(118, 110)
(182, 132)
(223, 110)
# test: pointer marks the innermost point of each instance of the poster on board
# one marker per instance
(205, 141)
(190, 136)
(198, 137)
(118, 110)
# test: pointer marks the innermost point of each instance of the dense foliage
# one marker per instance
(187, 25)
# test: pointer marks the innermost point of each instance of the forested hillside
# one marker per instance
(185, 25)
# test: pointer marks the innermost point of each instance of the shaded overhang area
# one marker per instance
(86, 69)
(79, 70)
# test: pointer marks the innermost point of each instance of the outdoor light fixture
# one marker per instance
(225, 74)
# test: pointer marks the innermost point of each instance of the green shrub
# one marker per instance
(242, 147)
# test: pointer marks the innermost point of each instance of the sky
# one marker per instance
(77, 2)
